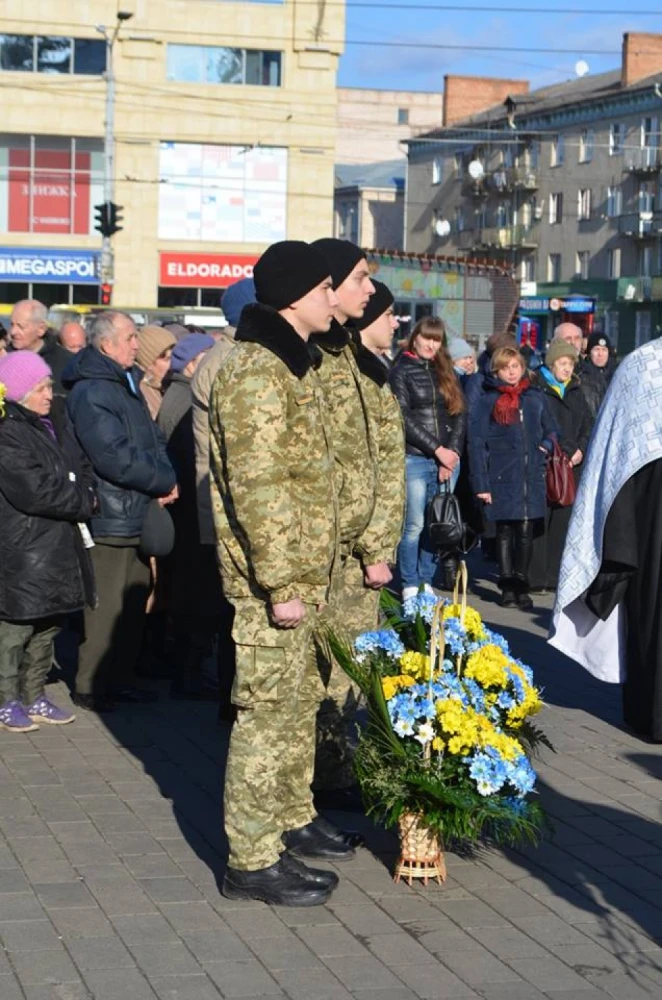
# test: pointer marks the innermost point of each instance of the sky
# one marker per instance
(420, 68)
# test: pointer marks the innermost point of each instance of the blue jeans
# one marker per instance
(417, 561)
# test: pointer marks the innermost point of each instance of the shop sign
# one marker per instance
(76, 267)
(573, 305)
(204, 270)
(533, 305)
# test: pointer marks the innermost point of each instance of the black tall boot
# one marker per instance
(522, 549)
(504, 548)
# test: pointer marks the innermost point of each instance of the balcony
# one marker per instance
(474, 188)
(517, 237)
(514, 179)
(641, 225)
(634, 289)
(646, 160)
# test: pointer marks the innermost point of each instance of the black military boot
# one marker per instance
(316, 876)
(522, 550)
(319, 839)
(279, 885)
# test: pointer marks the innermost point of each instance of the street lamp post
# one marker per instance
(107, 261)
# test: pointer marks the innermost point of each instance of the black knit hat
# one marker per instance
(377, 305)
(287, 271)
(341, 256)
(597, 340)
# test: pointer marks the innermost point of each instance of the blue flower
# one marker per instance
(423, 604)
(521, 776)
(385, 640)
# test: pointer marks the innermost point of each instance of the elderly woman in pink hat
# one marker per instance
(46, 495)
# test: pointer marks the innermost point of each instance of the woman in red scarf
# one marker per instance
(510, 434)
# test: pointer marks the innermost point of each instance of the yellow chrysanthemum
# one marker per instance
(488, 667)
(391, 685)
(417, 665)
(472, 620)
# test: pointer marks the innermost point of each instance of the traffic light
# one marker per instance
(106, 292)
(107, 216)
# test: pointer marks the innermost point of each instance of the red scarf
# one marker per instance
(506, 408)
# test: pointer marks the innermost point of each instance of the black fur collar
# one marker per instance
(334, 340)
(368, 363)
(262, 325)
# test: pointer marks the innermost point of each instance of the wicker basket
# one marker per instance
(421, 854)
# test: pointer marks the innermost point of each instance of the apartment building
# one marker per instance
(563, 185)
(225, 126)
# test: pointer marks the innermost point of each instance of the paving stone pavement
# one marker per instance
(111, 846)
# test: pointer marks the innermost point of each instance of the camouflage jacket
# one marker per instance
(355, 431)
(272, 466)
(386, 524)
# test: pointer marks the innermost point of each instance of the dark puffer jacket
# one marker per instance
(506, 461)
(41, 552)
(570, 414)
(595, 382)
(428, 424)
(124, 445)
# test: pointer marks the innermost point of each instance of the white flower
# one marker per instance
(425, 733)
(404, 727)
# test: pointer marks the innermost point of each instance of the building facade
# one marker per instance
(374, 124)
(225, 126)
(563, 185)
(369, 204)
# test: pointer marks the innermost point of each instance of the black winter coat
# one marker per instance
(42, 559)
(428, 424)
(119, 437)
(570, 414)
(595, 382)
(506, 461)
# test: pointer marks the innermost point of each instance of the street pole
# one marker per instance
(107, 258)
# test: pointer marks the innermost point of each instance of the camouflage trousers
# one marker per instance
(26, 657)
(277, 691)
(352, 609)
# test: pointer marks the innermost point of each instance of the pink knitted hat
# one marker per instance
(20, 371)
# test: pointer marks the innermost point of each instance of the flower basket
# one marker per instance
(421, 854)
(445, 754)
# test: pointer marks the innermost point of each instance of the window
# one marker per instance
(611, 326)
(646, 196)
(458, 164)
(645, 262)
(556, 207)
(222, 193)
(437, 170)
(614, 263)
(348, 228)
(459, 219)
(528, 268)
(648, 134)
(642, 327)
(586, 143)
(554, 267)
(213, 64)
(403, 116)
(52, 54)
(49, 184)
(582, 261)
(614, 202)
(584, 204)
(532, 155)
(503, 214)
(557, 151)
(616, 137)
(481, 217)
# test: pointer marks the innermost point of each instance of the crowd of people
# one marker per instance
(297, 453)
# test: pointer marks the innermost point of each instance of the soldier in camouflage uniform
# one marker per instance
(276, 514)
(366, 428)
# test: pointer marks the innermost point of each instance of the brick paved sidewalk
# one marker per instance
(111, 847)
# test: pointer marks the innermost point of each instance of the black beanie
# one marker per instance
(341, 257)
(597, 340)
(287, 271)
(377, 305)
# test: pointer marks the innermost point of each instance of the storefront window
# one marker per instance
(170, 297)
(50, 183)
(49, 294)
(228, 194)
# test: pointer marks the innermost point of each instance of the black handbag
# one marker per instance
(445, 524)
